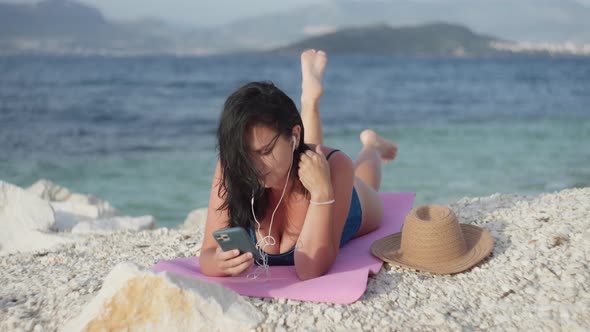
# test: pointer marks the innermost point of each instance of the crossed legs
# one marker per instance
(375, 148)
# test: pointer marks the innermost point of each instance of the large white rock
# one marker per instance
(22, 209)
(195, 219)
(70, 208)
(112, 224)
(136, 299)
(25, 221)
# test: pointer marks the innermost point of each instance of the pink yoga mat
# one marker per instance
(344, 283)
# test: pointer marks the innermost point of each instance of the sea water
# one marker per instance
(140, 131)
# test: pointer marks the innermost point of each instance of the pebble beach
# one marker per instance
(537, 277)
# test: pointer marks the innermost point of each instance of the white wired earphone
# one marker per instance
(269, 240)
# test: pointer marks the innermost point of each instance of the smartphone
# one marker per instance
(236, 238)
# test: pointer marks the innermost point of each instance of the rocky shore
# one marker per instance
(537, 277)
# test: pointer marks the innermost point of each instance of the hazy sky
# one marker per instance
(192, 12)
(201, 12)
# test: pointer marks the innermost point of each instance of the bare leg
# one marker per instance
(313, 64)
(368, 162)
(368, 178)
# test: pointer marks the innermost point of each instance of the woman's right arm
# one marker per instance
(215, 262)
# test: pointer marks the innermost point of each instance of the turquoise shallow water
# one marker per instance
(140, 132)
(476, 160)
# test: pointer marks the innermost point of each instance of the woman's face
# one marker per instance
(272, 155)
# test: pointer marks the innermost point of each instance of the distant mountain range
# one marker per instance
(537, 21)
(346, 26)
(431, 39)
(70, 27)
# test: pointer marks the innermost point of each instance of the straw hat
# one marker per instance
(432, 240)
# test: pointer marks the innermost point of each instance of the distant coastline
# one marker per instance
(567, 48)
(426, 40)
(435, 39)
(71, 28)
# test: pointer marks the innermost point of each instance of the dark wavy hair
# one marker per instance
(256, 103)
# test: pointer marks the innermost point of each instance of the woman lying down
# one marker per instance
(298, 200)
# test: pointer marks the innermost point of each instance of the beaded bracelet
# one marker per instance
(322, 203)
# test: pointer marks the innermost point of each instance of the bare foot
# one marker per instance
(387, 149)
(313, 64)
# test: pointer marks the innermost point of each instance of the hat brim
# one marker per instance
(479, 241)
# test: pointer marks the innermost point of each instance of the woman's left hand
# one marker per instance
(314, 174)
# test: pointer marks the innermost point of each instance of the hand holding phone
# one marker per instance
(236, 238)
(236, 251)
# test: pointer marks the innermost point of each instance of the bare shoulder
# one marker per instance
(338, 160)
(326, 149)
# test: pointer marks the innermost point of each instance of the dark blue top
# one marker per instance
(353, 223)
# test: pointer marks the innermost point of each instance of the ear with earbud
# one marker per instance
(294, 143)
